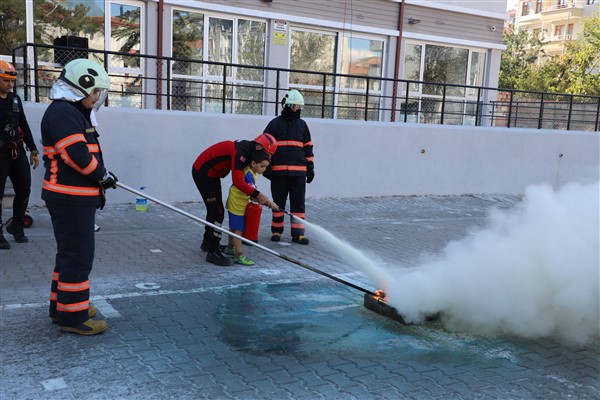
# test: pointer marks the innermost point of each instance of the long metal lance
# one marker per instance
(243, 239)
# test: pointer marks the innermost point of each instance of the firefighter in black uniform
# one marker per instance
(14, 130)
(292, 166)
(73, 188)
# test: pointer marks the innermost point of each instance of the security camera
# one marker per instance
(492, 28)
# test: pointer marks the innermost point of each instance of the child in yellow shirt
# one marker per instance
(236, 207)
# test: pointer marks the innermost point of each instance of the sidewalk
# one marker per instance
(182, 328)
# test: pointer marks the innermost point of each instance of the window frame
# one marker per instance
(349, 92)
(418, 97)
(205, 79)
(539, 5)
(128, 74)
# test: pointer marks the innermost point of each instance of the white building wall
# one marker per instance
(352, 159)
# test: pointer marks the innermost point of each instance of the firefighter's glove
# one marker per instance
(109, 181)
(310, 175)
(34, 159)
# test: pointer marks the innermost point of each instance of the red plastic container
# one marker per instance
(253, 213)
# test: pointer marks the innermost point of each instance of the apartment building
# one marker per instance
(445, 41)
(554, 21)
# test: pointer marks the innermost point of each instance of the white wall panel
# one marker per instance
(352, 159)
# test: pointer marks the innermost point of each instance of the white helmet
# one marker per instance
(292, 97)
(79, 79)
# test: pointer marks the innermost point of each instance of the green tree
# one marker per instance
(577, 71)
(12, 25)
(517, 62)
(54, 19)
(579, 68)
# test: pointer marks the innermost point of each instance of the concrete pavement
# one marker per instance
(182, 328)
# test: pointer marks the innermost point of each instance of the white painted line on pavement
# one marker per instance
(106, 309)
(116, 296)
(156, 250)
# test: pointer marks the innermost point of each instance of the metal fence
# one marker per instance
(150, 82)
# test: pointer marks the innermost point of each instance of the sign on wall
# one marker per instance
(280, 33)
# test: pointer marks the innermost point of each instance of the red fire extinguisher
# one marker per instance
(253, 213)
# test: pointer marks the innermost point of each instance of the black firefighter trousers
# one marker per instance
(19, 172)
(210, 190)
(295, 188)
(70, 290)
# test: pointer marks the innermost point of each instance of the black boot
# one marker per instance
(16, 229)
(4, 245)
(217, 258)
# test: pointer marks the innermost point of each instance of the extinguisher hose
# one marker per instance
(243, 239)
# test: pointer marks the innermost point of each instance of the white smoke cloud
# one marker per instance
(532, 272)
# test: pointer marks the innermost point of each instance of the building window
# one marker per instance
(477, 68)
(251, 37)
(187, 42)
(525, 9)
(125, 37)
(313, 51)
(562, 3)
(199, 87)
(558, 31)
(125, 31)
(77, 23)
(412, 64)
(591, 2)
(436, 65)
(250, 45)
(362, 57)
(445, 65)
(538, 6)
(220, 44)
(570, 31)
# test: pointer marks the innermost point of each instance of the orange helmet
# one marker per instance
(268, 142)
(7, 71)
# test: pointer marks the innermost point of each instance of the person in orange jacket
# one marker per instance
(210, 167)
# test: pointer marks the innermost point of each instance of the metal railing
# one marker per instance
(150, 82)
